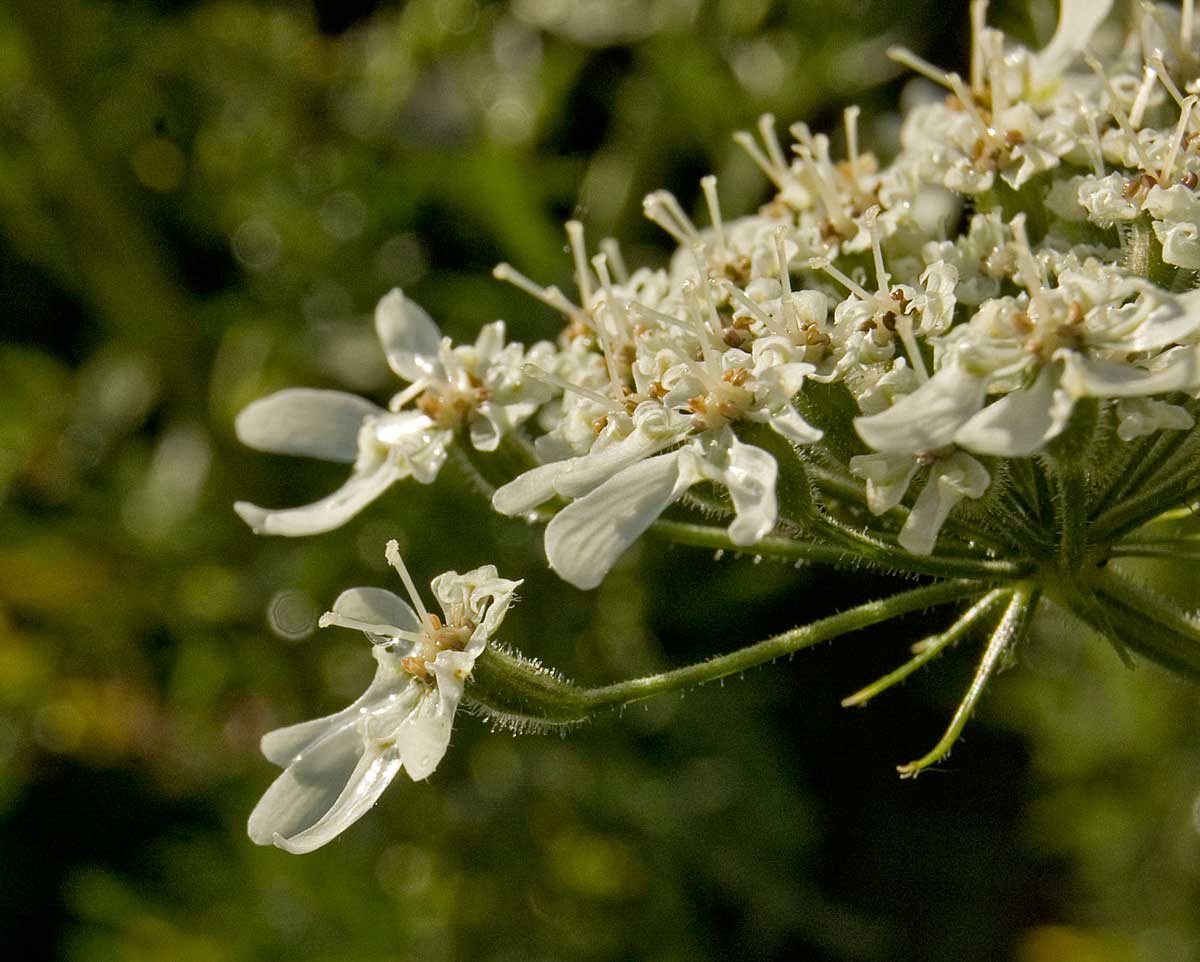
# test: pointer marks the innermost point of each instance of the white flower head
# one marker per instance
(336, 768)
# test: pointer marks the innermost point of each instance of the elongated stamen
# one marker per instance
(814, 152)
(709, 350)
(1118, 112)
(735, 293)
(766, 128)
(820, 264)
(550, 296)
(663, 209)
(1142, 98)
(540, 374)
(883, 280)
(997, 71)
(709, 186)
(1164, 77)
(787, 308)
(1164, 178)
(612, 250)
(951, 81)
(1095, 148)
(388, 631)
(978, 55)
(904, 328)
(1186, 18)
(583, 279)
(602, 335)
(1029, 264)
(850, 120)
(392, 553)
(413, 390)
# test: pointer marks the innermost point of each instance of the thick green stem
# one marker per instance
(520, 693)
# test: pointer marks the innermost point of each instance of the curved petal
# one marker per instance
(330, 512)
(888, 477)
(1077, 21)
(584, 473)
(526, 491)
(307, 788)
(959, 476)
(584, 540)
(377, 606)
(1021, 422)
(304, 421)
(283, 745)
(749, 474)
(373, 773)
(1094, 377)
(409, 337)
(928, 418)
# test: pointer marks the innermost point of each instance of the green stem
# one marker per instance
(519, 693)
(1168, 549)
(927, 649)
(1072, 507)
(785, 549)
(1010, 629)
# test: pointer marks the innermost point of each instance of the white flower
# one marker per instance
(336, 768)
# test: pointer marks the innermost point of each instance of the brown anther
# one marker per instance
(1139, 185)
(733, 337)
(737, 376)
(435, 621)
(626, 354)
(600, 423)
(656, 391)
(575, 330)
(728, 410)
(888, 321)
(430, 405)
(415, 666)
(742, 323)
(698, 404)
(1074, 314)
(1189, 180)
(829, 231)
(1013, 138)
(1022, 324)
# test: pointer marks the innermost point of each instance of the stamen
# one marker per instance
(951, 81)
(1143, 96)
(787, 308)
(550, 296)
(1118, 113)
(978, 26)
(1089, 116)
(737, 294)
(850, 118)
(709, 186)
(766, 127)
(1029, 263)
(663, 209)
(1185, 25)
(814, 151)
(1164, 76)
(820, 264)
(711, 352)
(611, 306)
(1164, 178)
(390, 631)
(540, 374)
(583, 279)
(612, 250)
(997, 72)
(904, 328)
(413, 390)
(392, 553)
(882, 278)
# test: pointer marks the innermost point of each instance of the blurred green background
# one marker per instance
(200, 203)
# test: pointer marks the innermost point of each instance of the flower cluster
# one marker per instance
(952, 365)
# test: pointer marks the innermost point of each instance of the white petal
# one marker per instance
(526, 491)
(307, 789)
(585, 539)
(409, 337)
(377, 606)
(1020, 422)
(959, 476)
(373, 773)
(330, 512)
(749, 473)
(1093, 377)
(789, 424)
(316, 424)
(283, 745)
(888, 477)
(928, 418)
(1077, 21)
(1141, 416)
(583, 474)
